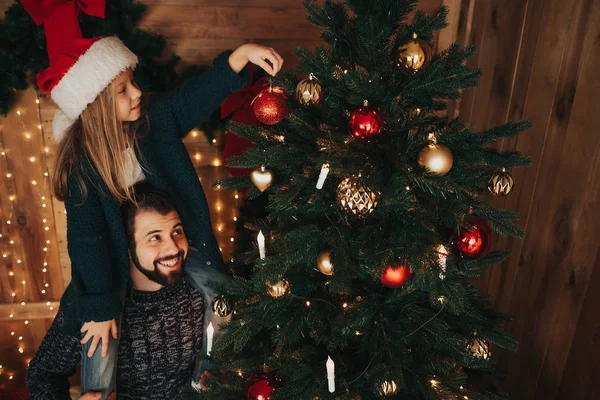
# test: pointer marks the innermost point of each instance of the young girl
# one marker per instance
(109, 139)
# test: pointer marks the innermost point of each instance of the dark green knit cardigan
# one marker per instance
(97, 242)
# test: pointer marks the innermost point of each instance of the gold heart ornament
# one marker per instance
(262, 178)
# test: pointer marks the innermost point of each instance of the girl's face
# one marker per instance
(127, 97)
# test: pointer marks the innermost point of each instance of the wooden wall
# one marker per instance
(540, 60)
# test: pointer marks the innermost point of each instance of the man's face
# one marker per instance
(160, 246)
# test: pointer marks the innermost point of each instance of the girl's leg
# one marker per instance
(98, 374)
(199, 275)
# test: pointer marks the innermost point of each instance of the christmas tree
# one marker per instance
(377, 221)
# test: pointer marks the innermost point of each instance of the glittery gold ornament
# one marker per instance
(324, 263)
(262, 178)
(388, 388)
(414, 55)
(308, 91)
(353, 196)
(222, 306)
(437, 158)
(501, 183)
(278, 289)
(480, 348)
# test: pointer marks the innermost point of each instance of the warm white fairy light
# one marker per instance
(27, 136)
(32, 159)
(234, 219)
(26, 322)
(11, 273)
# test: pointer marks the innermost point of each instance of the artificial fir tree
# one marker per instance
(377, 221)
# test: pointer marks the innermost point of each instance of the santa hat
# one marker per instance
(80, 69)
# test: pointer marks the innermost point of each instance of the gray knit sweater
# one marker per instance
(160, 338)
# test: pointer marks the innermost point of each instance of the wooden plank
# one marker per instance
(29, 311)
(24, 146)
(286, 4)
(532, 198)
(574, 217)
(201, 51)
(228, 22)
(449, 35)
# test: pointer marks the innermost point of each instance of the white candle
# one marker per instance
(210, 331)
(261, 245)
(330, 374)
(323, 176)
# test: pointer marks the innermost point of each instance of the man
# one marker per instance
(162, 327)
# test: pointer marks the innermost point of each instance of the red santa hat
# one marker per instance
(80, 69)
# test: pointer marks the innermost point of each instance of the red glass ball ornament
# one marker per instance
(365, 122)
(259, 389)
(269, 106)
(473, 242)
(396, 276)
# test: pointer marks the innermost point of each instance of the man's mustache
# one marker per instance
(169, 258)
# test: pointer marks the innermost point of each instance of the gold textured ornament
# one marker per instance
(222, 306)
(437, 158)
(414, 55)
(278, 289)
(308, 91)
(479, 348)
(353, 196)
(324, 263)
(501, 183)
(388, 388)
(262, 178)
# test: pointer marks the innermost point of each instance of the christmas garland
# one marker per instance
(23, 52)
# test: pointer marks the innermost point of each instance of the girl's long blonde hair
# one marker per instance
(98, 139)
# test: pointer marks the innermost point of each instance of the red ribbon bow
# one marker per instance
(59, 18)
(42, 11)
(239, 106)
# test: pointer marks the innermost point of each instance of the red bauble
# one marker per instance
(473, 242)
(269, 106)
(259, 389)
(365, 123)
(396, 276)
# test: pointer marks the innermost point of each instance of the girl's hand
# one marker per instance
(99, 331)
(256, 54)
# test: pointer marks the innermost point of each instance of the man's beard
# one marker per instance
(155, 275)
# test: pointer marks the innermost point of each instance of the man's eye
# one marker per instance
(178, 232)
(154, 238)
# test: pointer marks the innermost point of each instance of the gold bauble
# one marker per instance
(308, 91)
(414, 55)
(437, 158)
(353, 196)
(262, 178)
(480, 348)
(278, 289)
(324, 263)
(388, 388)
(222, 306)
(501, 183)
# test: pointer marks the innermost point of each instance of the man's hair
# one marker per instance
(147, 198)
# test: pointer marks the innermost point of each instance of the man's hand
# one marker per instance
(204, 378)
(99, 331)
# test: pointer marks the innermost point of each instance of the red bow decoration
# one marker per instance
(239, 106)
(59, 18)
